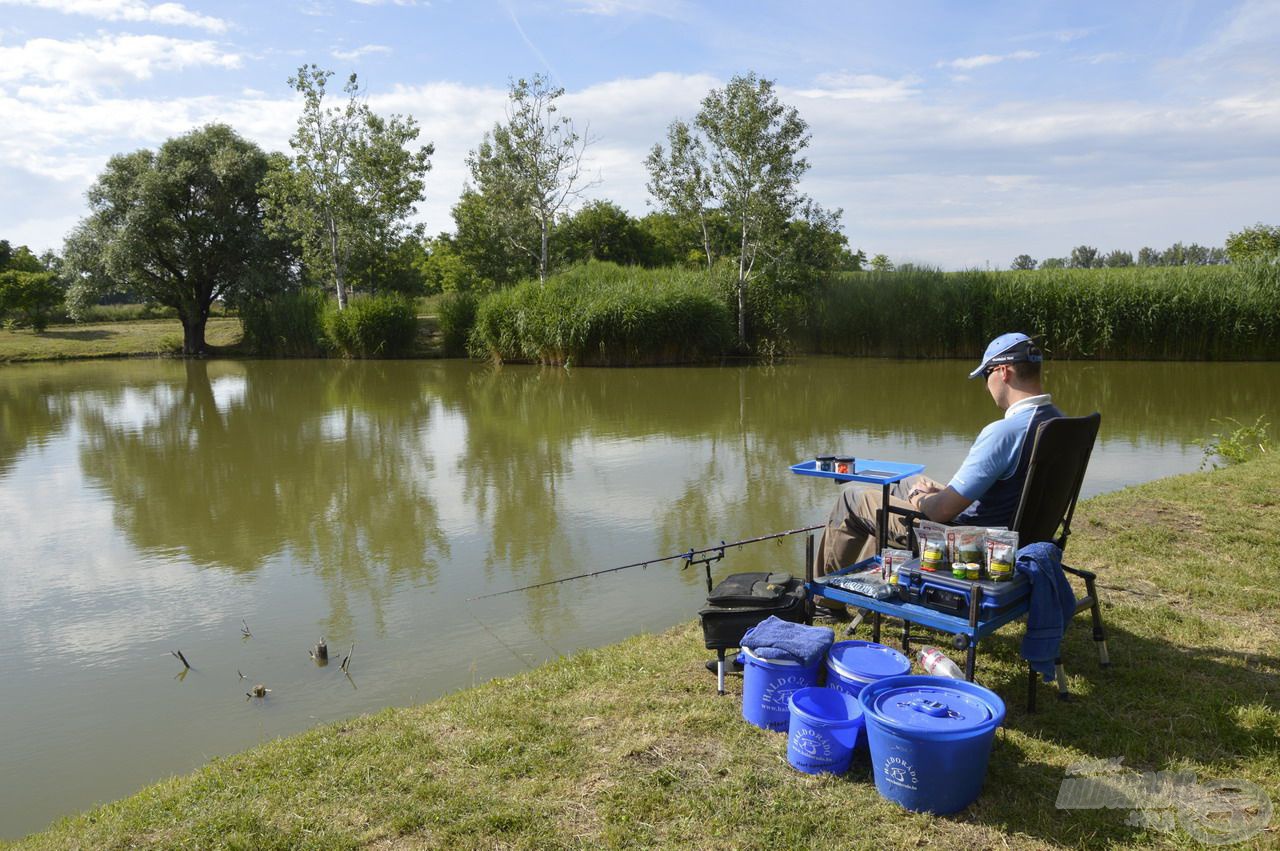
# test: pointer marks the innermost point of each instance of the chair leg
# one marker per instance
(720, 671)
(1095, 612)
(1060, 677)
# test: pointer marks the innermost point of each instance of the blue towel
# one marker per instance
(1053, 605)
(774, 638)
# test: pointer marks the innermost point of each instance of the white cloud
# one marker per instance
(357, 52)
(863, 87)
(969, 62)
(387, 2)
(173, 14)
(610, 8)
(92, 63)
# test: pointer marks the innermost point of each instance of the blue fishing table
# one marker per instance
(966, 632)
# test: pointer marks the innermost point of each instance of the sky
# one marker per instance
(957, 134)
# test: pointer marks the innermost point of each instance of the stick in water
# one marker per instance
(245, 629)
(183, 659)
(347, 660)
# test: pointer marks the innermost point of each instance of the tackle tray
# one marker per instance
(943, 592)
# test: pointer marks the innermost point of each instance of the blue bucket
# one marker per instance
(852, 665)
(824, 728)
(767, 685)
(930, 739)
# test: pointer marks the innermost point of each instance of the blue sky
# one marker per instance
(958, 134)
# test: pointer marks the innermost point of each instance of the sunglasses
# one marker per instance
(986, 373)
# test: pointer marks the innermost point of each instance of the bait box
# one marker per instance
(742, 600)
(943, 592)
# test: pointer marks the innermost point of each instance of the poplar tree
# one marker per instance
(352, 183)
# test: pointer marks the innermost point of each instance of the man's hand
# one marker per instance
(920, 490)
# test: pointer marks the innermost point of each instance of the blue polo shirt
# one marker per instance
(993, 473)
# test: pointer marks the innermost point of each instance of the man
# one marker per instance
(986, 489)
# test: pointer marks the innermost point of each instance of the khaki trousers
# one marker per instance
(850, 536)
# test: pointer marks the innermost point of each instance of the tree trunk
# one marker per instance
(193, 334)
(542, 262)
(706, 240)
(742, 288)
(338, 277)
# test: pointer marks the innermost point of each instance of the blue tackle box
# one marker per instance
(943, 592)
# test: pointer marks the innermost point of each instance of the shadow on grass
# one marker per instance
(1160, 706)
(85, 334)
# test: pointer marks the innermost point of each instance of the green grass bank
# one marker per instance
(628, 745)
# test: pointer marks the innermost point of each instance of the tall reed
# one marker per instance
(1162, 313)
(604, 314)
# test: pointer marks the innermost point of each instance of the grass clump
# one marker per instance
(456, 314)
(628, 746)
(377, 326)
(289, 325)
(605, 315)
(1157, 313)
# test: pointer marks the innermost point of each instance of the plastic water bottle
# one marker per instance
(937, 663)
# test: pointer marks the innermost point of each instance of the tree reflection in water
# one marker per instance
(318, 461)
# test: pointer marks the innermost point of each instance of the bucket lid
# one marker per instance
(917, 705)
(866, 660)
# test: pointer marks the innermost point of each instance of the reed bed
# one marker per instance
(601, 314)
(1163, 313)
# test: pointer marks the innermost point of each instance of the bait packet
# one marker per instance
(1002, 553)
(890, 561)
(965, 549)
(933, 545)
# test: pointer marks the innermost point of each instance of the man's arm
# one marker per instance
(941, 506)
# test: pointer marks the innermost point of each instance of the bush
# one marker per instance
(289, 325)
(457, 313)
(29, 298)
(379, 326)
(607, 315)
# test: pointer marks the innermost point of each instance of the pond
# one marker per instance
(148, 507)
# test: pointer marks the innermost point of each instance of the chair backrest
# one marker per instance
(1059, 457)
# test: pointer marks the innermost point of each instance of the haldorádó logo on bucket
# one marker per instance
(1215, 812)
(779, 691)
(899, 772)
(811, 743)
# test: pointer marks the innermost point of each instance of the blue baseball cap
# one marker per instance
(1009, 348)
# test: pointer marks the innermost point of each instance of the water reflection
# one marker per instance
(321, 463)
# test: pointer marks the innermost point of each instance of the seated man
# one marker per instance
(986, 489)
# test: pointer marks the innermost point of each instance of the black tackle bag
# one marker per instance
(742, 600)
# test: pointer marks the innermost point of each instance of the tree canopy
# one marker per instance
(182, 227)
(347, 194)
(528, 169)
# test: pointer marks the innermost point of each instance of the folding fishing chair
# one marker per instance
(1059, 457)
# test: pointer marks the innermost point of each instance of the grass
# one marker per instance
(601, 314)
(1160, 313)
(125, 338)
(628, 746)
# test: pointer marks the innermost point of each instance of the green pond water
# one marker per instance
(151, 506)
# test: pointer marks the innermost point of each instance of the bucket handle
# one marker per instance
(930, 707)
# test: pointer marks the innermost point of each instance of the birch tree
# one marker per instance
(530, 167)
(352, 183)
(679, 180)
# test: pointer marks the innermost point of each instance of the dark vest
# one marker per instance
(997, 506)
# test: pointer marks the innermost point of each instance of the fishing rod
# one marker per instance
(713, 554)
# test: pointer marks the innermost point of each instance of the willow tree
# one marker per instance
(352, 183)
(181, 227)
(528, 169)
